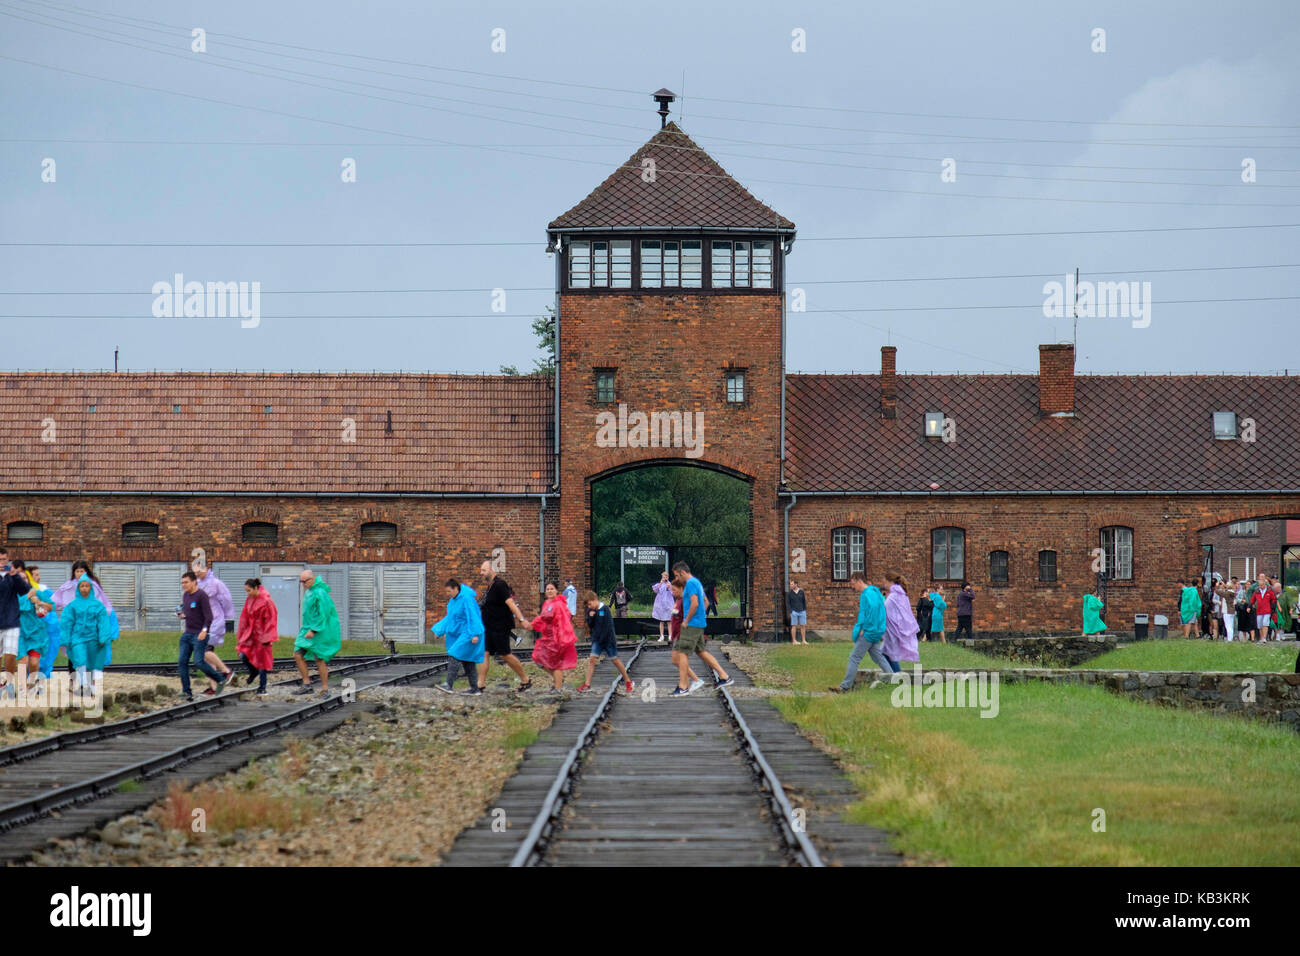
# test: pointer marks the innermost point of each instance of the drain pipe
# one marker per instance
(786, 559)
(541, 546)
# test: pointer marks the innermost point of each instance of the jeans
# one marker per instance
(192, 646)
(861, 648)
(963, 624)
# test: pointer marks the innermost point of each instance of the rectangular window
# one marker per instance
(652, 265)
(621, 264)
(692, 263)
(1243, 568)
(1225, 426)
(1241, 529)
(763, 264)
(1117, 549)
(998, 567)
(672, 265)
(721, 265)
(948, 553)
(599, 265)
(741, 274)
(580, 265)
(604, 385)
(848, 552)
(1047, 567)
(736, 388)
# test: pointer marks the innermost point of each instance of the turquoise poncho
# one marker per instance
(34, 632)
(86, 629)
(1092, 622)
(1190, 607)
(462, 623)
(320, 616)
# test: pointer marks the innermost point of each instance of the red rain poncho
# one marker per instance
(556, 647)
(258, 630)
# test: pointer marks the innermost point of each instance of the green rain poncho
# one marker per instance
(1190, 607)
(1092, 622)
(320, 616)
(1285, 611)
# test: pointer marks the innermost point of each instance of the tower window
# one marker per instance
(736, 388)
(692, 263)
(604, 386)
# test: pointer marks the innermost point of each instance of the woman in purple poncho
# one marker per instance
(663, 606)
(900, 624)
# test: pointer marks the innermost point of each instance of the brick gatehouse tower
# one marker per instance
(670, 300)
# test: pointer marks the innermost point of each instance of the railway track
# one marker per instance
(646, 780)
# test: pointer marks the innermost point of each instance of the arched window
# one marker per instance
(1047, 567)
(139, 532)
(848, 552)
(260, 532)
(378, 532)
(25, 531)
(998, 567)
(948, 554)
(1117, 552)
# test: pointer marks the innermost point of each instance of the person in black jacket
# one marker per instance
(13, 585)
(796, 600)
(924, 615)
(964, 598)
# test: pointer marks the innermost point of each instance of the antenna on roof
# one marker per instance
(115, 359)
(663, 97)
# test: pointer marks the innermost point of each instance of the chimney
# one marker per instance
(1056, 380)
(888, 382)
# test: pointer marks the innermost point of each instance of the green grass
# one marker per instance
(1177, 787)
(149, 647)
(1196, 655)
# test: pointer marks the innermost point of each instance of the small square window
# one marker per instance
(736, 388)
(93, 408)
(934, 424)
(605, 386)
(1225, 426)
(267, 409)
(176, 408)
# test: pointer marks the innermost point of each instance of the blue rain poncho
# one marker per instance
(461, 625)
(33, 633)
(86, 629)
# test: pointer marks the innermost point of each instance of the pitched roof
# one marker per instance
(451, 433)
(1145, 433)
(689, 190)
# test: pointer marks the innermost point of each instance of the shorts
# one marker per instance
(798, 618)
(498, 643)
(9, 641)
(1262, 622)
(606, 649)
(216, 640)
(692, 640)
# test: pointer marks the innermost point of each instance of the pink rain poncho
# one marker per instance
(556, 647)
(900, 627)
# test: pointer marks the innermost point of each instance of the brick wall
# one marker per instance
(671, 353)
(452, 536)
(1265, 547)
(1166, 546)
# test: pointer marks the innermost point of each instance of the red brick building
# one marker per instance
(670, 305)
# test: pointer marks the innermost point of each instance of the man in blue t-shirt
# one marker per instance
(692, 639)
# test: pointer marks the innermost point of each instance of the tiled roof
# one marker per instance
(1147, 433)
(689, 190)
(450, 433)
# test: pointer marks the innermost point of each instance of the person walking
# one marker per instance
(1245, 615)
(1228, 608)
(1262, 602)
(604, 645)
(319, 638)
(500, 613)
(571, 597)
(556, 648)
(924, 615)
(1092, 608)
(796, 600)
(66, 591)
(868, 634)
(936, 616)
(662, 609)
(693, 640)
(196, 610)
(257, 630)
(223, 610)
(964, 598)
(901, 628)
(619, 598)
(33, 634)
(462, 629)
(85, 622)
(1189, 607)
(13, 585)
(675, 631)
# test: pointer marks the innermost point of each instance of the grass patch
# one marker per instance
(224, 810)
(817, 666)
(521, 731)
(1179, 788)
(129, 786)
(1196, 655)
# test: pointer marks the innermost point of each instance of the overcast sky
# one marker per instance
(455, 143)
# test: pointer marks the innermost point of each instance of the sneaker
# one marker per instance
(210, 692)
(517, 639)
(188, 698)
(302, 689)
(263, 692)
(836, 689)
(723, 683)
(584, 688)
(444, 688)
(695, 685)
(231, 680)
(660, 641)
(526, 685)
(629, 686)
(472, 692)
(681, 692)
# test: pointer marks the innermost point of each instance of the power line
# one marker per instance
(766, 105)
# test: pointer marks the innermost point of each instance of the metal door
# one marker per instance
(363, 602)
(401, 615)
(119, 583)
(160, 592)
